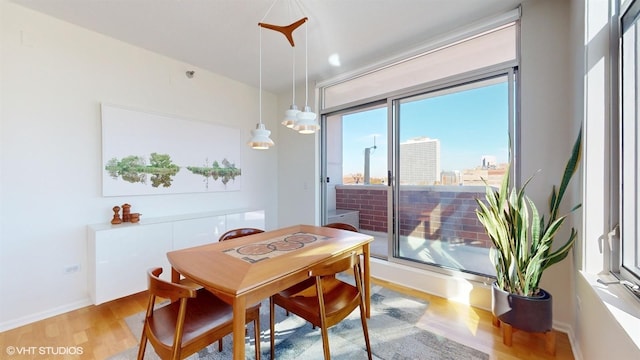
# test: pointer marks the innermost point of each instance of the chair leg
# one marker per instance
(272, 327)
(357, 273)
(325, 342)
(143, 345)
(220, 345)
(365, 329)
(256, 334)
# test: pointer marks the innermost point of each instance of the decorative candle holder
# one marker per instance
(116, 216)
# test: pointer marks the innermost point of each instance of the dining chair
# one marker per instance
(323, 299)
(240, 232)
(343, 226)
(196, 319)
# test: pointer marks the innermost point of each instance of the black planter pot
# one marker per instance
(532, 314)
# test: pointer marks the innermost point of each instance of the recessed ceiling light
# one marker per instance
(334, 60)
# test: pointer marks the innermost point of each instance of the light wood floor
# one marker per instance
(100, 331)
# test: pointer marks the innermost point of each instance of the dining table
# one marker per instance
(246, 270)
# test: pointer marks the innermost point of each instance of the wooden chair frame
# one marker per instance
(240, 232)
(343, 226)
(324, 300)
(194, 320)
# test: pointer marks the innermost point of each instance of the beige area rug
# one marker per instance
(393, 332)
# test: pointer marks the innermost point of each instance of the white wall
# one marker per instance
(53, 77)
(298, 167)
(548, 131)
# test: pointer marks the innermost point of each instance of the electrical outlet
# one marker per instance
(71, 268)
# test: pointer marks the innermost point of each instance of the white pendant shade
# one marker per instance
(260, 138)
(291, 116)
(306, 122)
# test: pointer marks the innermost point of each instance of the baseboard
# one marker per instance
(575, 349)
(455, 289)
(12, 324)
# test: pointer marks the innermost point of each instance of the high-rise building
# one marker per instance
(420, 161)
(489, 162)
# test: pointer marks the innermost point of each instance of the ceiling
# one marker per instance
(222, 35)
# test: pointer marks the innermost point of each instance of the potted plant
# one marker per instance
(523, 248)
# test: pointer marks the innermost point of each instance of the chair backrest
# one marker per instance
(342, 226)
(240, 232)
(166, 289)
(335, 266)
(332, 306)
(208, 319)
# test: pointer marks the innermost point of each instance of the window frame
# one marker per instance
(625, 235)
(508, 68)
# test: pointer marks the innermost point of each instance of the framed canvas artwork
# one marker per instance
(145, 153)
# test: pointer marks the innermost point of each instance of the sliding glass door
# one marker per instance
(408, 170)
(449, 142)
(355, 182)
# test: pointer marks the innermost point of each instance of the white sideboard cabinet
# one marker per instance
(200, 231)
(120, 255)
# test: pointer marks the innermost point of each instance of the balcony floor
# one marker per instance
(456, 256)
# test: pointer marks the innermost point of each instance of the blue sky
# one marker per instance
(469, 124)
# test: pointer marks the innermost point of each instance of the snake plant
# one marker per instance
(522, 237)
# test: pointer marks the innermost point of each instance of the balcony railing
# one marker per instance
(445, 213)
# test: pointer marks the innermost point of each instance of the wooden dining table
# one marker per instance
(246, 270)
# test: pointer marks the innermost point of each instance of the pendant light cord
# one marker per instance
(293, 80)
(260, 75)
(268, 11)
(306, 65)
(293, 66)
(293, 77)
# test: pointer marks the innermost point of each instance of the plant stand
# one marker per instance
(508, 330)
(533, 315)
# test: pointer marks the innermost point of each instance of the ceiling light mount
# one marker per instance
(287, 31)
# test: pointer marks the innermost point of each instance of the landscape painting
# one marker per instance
(145, 153)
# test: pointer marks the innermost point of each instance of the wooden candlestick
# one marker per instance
(116, 216)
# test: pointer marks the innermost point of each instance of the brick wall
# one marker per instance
(429, 212)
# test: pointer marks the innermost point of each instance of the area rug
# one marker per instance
(393, 331)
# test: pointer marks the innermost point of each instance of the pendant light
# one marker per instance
(306, 120)
(290, 116)
(260, 139)
(303, 122)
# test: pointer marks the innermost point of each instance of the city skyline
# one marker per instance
(465, 122)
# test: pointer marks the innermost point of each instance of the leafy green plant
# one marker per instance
(522, 238)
